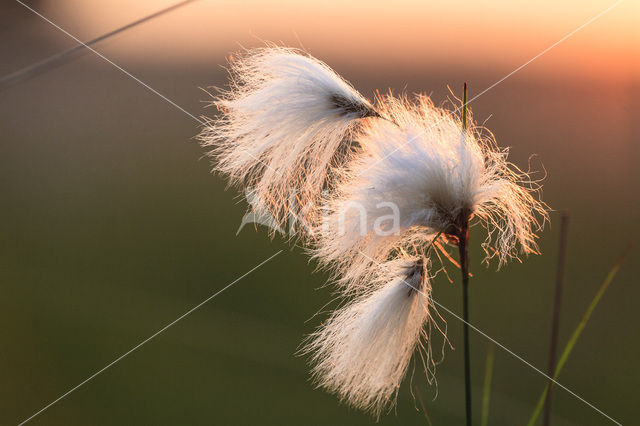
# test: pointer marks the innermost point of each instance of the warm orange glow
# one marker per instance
(494, 33)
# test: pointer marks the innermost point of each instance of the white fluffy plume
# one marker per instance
(415, 178)
(378, 187)
(361, 353)
(283, 122)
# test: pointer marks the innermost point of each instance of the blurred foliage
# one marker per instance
(111, 227)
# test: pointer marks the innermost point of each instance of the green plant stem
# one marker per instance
(576, 334)
(557, 305)
(463, 246)
(488, 375)
(464, 267)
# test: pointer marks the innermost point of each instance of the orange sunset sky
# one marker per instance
(495, 33)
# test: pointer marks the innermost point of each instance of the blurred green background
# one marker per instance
(111, 226)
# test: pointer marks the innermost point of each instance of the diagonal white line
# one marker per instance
(518, 357)
(590, 21)
(151, 89)
(268, 259)
(503, 347)
(148, 339)
(59, 58)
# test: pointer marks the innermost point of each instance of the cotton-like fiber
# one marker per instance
(416, 177)
(382, 189)
(285, 122)
(362, 352)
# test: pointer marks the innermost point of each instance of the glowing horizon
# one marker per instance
(414, 34)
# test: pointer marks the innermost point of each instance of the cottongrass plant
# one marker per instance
(363, 350)
(385, 187)
(284, 120)
(415, 178)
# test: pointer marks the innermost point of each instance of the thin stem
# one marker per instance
(62, 57)
(463, 244)
(557, 304)
(464, 108)
(488, 376)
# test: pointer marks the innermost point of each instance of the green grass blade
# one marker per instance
(576, 334)
(488, 375)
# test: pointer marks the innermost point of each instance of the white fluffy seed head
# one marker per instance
(282, 128)
(301, 139)
(415, 177)
(361, 353)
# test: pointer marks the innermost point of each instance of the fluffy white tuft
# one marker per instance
(415, 178)
(361, 353)
(283, 123)
(291, 128)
